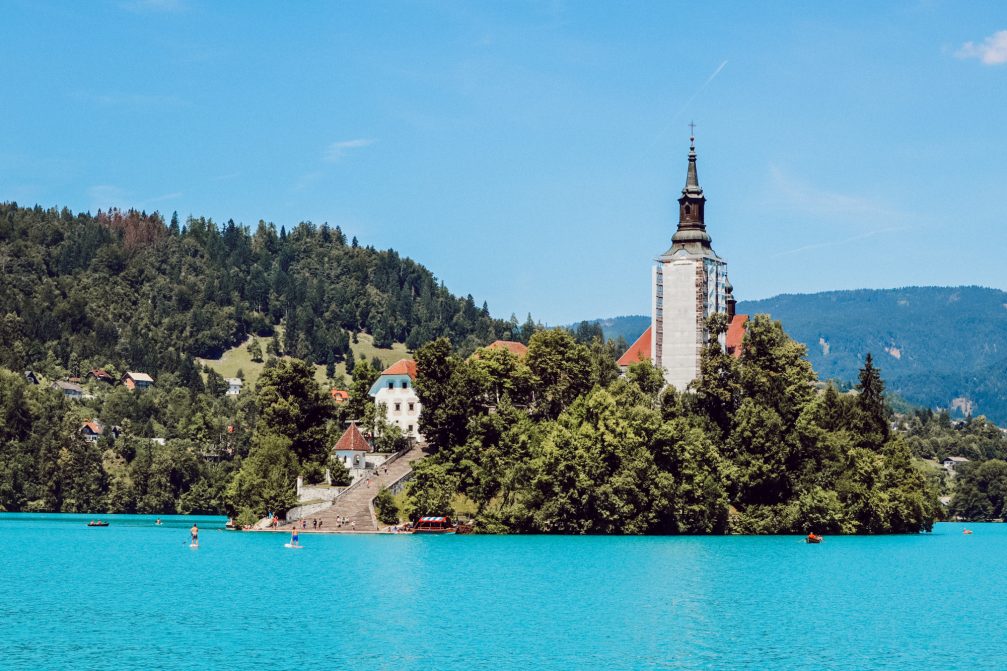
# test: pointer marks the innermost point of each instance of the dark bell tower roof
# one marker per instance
(691, 234)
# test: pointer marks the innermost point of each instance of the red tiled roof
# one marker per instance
(736, 334)
(402, 367)
(95, 427)
(340, 395)
(638, 351)
(516, 348)
(100, 374)
(353, 440)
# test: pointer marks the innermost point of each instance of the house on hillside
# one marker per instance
(234, 385)
(101, 375)
(395, 391)
(93, 430)
(134, 381)
(951, 464)
(340, 396)
(69, 389)
(31, 377)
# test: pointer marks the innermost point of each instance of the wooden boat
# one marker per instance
(813, 538)
(97, 523)
(433, 525)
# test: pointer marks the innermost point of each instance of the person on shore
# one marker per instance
(353, 525)
(304, 524)
(314, 523)
(320, 523)
(194, 534)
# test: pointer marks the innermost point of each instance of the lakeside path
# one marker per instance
(355, 503)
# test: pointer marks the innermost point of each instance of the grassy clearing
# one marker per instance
(237, 358)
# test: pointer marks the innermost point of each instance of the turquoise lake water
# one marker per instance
(135, 596)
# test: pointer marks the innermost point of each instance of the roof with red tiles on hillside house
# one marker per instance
(94, 426)
(352, 441)
(736, 335)
(512, 346)
(638, 351)
(402, 367)
(340, 395)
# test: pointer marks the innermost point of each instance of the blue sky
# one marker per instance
(531, 153)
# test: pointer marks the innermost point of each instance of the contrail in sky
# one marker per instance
(693, 97)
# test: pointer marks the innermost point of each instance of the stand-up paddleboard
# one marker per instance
(293, 547)
(194, 545)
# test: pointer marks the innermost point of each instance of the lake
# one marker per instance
(135, 596)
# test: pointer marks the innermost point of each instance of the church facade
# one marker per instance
(688, 284)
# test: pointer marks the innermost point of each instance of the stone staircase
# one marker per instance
(355, 502)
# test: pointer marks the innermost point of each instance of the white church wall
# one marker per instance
(679, 349)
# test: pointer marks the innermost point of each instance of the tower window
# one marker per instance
(688, 209)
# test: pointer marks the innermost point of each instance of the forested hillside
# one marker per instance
(126, 291)
(938, 347)
(129, 290)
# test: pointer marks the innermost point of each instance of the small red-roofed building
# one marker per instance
(134, 381)
(101, 375)
(736, 335)
(352, 448)
(92, 430)
(340, 396)
(395, 391)
(518, 349)
(637, 352)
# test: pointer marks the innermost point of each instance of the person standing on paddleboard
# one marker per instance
(293, 536)
(194, 531)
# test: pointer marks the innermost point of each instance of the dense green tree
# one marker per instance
(292, 405)
(873, 422)
(265, 482)
(254, 350)
(560, 368)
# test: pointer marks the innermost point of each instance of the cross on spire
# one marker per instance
(692, 129)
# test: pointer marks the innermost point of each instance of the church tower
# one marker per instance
(689, 283)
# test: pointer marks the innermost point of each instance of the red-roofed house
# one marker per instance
(395, 391)
(92, 430)
(101, 375)
(134, 381)
(339, 395)
(518, 349)
(637, 352)
(736, 335)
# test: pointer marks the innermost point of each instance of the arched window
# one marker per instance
(688, 209)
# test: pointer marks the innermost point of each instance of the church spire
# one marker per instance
(691, 207)
(692, 179)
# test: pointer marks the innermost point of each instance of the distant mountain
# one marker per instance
(936, 346)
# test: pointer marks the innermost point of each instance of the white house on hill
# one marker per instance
(395, 391)
(234, 385)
